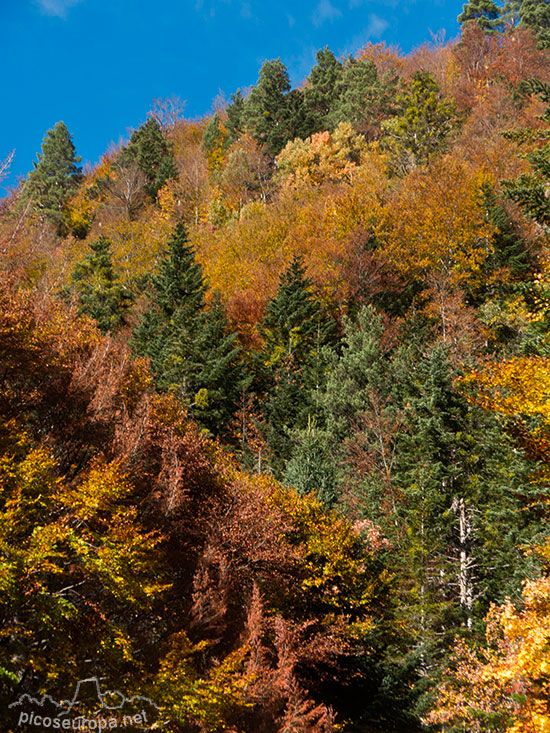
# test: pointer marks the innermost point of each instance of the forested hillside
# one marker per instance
(274, 399)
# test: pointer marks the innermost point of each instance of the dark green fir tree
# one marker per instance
(235, 116)
(295, 331)
(535, 14)
(321, 92)
(191, 349)
(153, 155)
(266, 109)
(99, 290)
(56, 177)
(311, 469)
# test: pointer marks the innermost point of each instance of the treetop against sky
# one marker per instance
(98, 64)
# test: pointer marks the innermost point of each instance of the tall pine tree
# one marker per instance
(484, 12)
(535, 14)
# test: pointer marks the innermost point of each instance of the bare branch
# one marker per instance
(167, 111)
(5, 165)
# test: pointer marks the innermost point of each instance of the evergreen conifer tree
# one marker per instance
(55, 177)
(191, 349)
(152, 154)
(460, 485)
(265, 110)
(99, 290)
(530, 190)
(359, 416)
(535, 14)
(510, 12)
(484, 12)
(361, 97)
(299, 121)
(321, 91)
(294, 331)
(235, 116)
(221, 377)
(311, 466)
(509, 248)
(422, 129)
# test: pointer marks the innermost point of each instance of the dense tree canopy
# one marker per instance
(274, 419)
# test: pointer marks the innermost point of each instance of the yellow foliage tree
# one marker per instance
(435, 226)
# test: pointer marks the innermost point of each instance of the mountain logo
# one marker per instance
(89, 709)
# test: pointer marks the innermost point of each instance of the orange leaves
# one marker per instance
(244, 258)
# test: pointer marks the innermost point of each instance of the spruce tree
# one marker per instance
(530, 190)
(434, 473)
(311, 466)
(321, 90)
(358, 416)
(509, 250)
(56, 177)
(294, 331)
(100, 292)
(177, 295)
(535, 14)
(299, 121)
(221, 377)
(191, 350)
(510, 12)
(509, 256)
(460, 485)
(235, 116)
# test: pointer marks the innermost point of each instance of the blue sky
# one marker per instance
(98, 64)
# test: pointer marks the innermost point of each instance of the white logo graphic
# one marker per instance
(110, 709)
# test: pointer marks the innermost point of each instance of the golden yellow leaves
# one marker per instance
(434, 226)
(189, 696)
(518, 387)
(323, 157)
(509, 682)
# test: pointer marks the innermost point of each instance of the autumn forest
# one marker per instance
(275, 399)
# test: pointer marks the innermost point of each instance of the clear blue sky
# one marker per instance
(98, 64)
